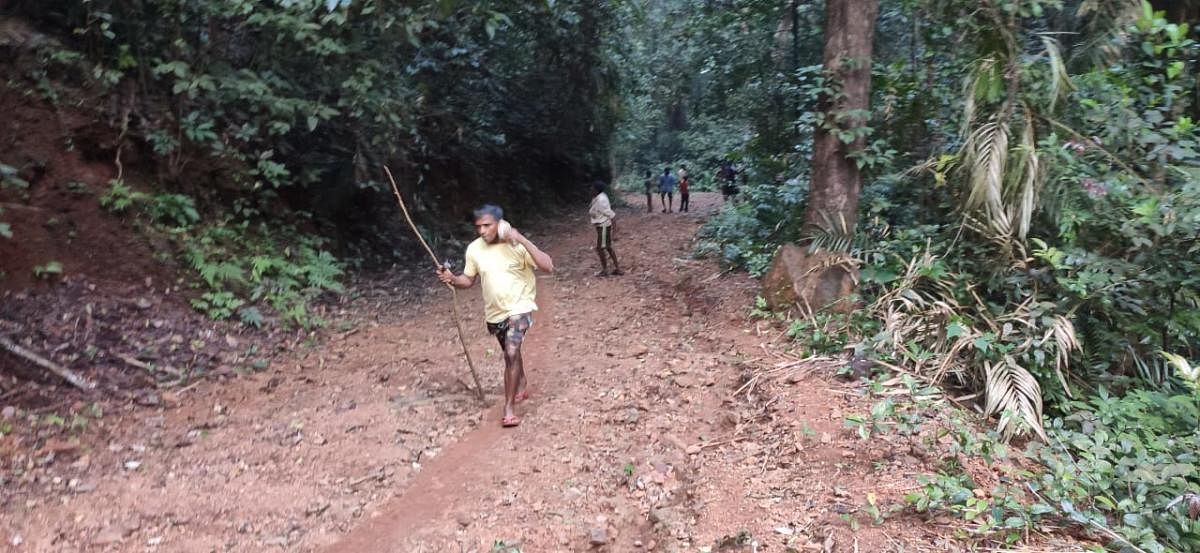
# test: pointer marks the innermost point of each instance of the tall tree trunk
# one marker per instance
(824, 280)
(836, 180)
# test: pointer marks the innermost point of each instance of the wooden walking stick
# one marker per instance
(453, 291)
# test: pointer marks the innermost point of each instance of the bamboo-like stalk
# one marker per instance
(453, 291)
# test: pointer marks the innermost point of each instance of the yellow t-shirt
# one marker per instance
(509, 286)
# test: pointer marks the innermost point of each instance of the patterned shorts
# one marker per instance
(511, 331)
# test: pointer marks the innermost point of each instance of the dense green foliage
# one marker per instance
(250, 113)
(1028, 229)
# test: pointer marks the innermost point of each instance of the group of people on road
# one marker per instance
(666, 183)
(504, 260)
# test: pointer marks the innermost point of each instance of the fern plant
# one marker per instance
(244, 267)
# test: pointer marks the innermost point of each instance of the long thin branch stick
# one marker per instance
(453, 291)
(63, 372)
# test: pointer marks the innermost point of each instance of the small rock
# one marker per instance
(16, 540)
(82, 463)
(463, 519)
(8, 412)
(108, 536)
(598, 536)
(684, 381)
(316, 508)
(132, 465)
(85, 487)
(154, 541)
(144, 303)
(693, 449)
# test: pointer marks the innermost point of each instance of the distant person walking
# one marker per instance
(683, 189)
(601, 215)
(649, 184)
(727, 176)
(666, 191)
(505, 259)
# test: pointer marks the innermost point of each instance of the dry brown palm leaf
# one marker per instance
(1012, 391)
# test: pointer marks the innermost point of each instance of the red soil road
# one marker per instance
(371, 441)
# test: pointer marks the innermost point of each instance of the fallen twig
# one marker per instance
(66, 374)
(148, 367)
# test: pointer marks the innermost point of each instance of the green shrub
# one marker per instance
(243, 266)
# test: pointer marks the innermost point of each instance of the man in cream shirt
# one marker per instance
(504, 259)
(601, 215)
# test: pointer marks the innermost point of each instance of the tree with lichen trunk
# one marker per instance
(818, 280)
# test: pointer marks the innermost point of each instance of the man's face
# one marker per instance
(485, 227)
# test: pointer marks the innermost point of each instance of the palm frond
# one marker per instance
(985, 156)
(1021, 194)
(1060, 80)
(833, 234)
(1012, 391)
(1063, 331)
(1154, 371)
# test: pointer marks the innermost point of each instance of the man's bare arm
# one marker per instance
(540, 258)
(458, 281)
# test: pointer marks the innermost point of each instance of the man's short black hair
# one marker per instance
(666, 169)
(599, 186)
(488, 209)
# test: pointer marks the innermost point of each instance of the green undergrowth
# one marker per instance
(244, 267)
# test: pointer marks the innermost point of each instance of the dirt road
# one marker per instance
(634, 438)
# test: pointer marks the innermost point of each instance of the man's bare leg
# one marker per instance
(514, 378)
(616, 266)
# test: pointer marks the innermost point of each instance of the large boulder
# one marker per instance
(810, 281)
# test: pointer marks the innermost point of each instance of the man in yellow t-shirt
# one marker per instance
(504, 260)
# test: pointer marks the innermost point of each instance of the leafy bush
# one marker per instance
(1125, 460)
(174, 208)
(242, 266)
(120, 197)
(746, 232)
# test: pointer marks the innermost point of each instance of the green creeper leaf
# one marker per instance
(1134, 519)
(1174, 69)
